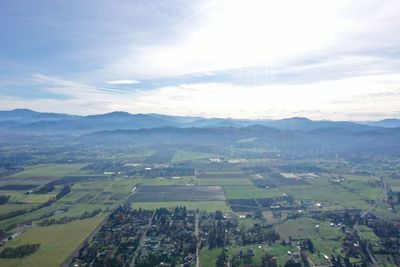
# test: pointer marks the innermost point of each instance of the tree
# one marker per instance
(310, 245)
(235, 261)
(292, 263)
(20, 251)
(268, 261)
(4, 199)
(220, 262)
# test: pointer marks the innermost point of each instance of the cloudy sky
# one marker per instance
(330, 59)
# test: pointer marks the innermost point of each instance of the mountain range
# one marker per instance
(31, 122)
(125, 129)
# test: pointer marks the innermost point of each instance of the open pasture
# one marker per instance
(57, 243)
(49, 170)
(161, 156)
(8, 208)
(18, 187)
(218, 167)
(223, 181)
(160, 181)
(250, 191)
(222, 175)
(11, 183)
(30, 216)
(208, 257)
(182, 155)
(243, 205)
(263, 183)
(276, 181)
(177, 193)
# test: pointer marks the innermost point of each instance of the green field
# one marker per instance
(250, 191)
(208, 257)
(49, 170)
(202, 205)
(181, 155)
(57, 243)
(79, 209)
(297, 229)
(368, 233)
(31, 216)
(7, 208)
(333, 194)
(167, 181)
(327, 240)
(215, 181)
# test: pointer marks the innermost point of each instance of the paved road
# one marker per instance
(385, 199)
(196, 232)
(74, 254)
(141, 242)
(355, 226)
(385, 189)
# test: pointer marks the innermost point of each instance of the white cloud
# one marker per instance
(334, 59)
(237, 34)
(357, 98)
(119, 82)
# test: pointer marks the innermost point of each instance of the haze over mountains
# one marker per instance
(28, 121)
(124, 129)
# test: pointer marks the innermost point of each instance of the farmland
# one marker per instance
(193, 205)
(178, 193)
(299, 200)
(56, 245)
(49, 170)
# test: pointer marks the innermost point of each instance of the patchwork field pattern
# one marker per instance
(177, 193)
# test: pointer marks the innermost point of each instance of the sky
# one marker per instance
(331, 59)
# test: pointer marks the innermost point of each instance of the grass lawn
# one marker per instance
(15, 196)
(208, 257)
(297, 229)
(206, 181)
(326, 241)
(182, 155)
(202, 205)
(29, 216)
(167, 181)
(79, 209)
(250, 191)
(326, 192)
(368, 233)
(7, 208)
(49, 170)
(57, 243)
(304, 227)
(122, 185)
(38, 198)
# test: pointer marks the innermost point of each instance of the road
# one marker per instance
(385, 189)
(370, 255)
(196, 232)
(369, 210)
(74, 254)
(141, 242)
(355, 226)
(385, 199)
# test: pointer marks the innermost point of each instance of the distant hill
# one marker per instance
(28, 121)
(27, 115)
(378, 140)
(388, 123)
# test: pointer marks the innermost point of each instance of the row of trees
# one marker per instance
(20, 251)
(66, 219)
(4, 199)
(267, 260)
